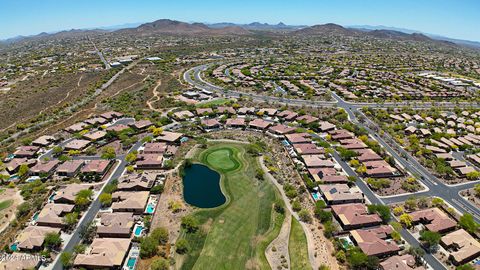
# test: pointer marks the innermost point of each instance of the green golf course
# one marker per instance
(235, 234)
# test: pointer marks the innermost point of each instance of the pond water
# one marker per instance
(201, 187)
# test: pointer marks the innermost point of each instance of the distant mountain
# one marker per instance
(322, 29)
(398, 35)
(119, 26)
(61, 34)
(172, 27)
(330, 28)
(259, 26)
(368, 28)
(165, 26)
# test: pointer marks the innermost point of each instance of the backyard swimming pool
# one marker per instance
(150, 208)
(131, 263)
(138, 230)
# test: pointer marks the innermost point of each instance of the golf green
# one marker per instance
(234, 235)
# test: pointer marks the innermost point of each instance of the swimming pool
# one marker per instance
(131, 263)
(13, 247)
(14, 178)
(138, 230)
(51, 197)
(35, 216)
(346, 242)
(316, 196)
(150, 208)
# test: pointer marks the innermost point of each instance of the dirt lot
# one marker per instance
(31, 97)
(470, 196)
(396, 187)
(8, 214)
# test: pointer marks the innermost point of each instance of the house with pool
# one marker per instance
(130, 201)
(115, 225)
(104, 253)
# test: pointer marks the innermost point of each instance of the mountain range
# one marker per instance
(172, 27)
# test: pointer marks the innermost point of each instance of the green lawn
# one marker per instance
(215, 102)
(5, 204)
(235, 235)
(222, 160)
(297, 247)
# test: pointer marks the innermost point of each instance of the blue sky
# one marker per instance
(452, 18)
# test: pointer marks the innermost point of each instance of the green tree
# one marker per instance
(465, 267)
(473, 175)
(181, 247)
(105, 199)
(148, 247)
(160, 264)
(359, 260)
(468, 223)
(382, 210)
(71, 219)
(57, 150)
(157, 189)
(109, 153)
(160, 234)
(80, 248)
(66, 259)
(190, 224)
(131, 157)
(406, 220)
(430, 239)
(341, 256)
(23, 209)
(52, 240)
(417, 253)
(304, 216)
(23, 170)
(437, 202)
(477, 190)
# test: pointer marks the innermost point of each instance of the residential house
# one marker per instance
(341, 194)
(32, 237)
(26, 151)
(434, 220)
(104, 253)
(115, 225)
(66, 194)
(373, 241)
(462, 246)
(44, 169)
(76, 145)
(70, 168)
(354, 216)
(52, 215)
(44, 141)
(129, 201)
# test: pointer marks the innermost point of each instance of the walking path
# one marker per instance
(310, 239)
(155, 97)
(277, 251)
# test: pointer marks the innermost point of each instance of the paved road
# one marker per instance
(436, 188)
(374, 199)
(198, 82)
(450, 194)
(100, 54)
(92, 211)
(74, 106)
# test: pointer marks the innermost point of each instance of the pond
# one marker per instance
(201, 187)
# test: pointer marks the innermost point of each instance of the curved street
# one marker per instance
(435, 187)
